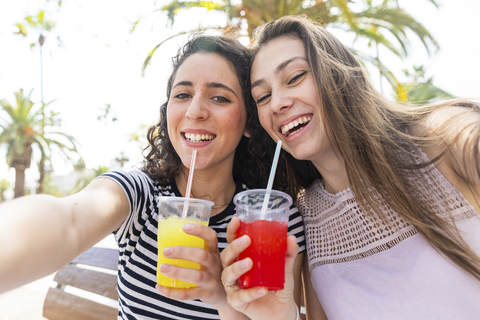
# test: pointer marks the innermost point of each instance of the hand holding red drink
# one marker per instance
(261, 259)
(267, 228)
(257, 302)
(263, 216)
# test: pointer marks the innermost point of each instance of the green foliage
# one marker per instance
(122, 158)
(38, 23)
(174, 7)
(23, 127)
(49, 187)
(381, 23)
(84, 181)
(139, 136)
(419, 89)
(107, 115)
(4, 185)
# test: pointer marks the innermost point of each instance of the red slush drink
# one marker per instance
(267, 251)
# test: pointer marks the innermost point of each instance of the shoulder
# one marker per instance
(445, 127)
(456, 116)
(453, 133)
(136, 181)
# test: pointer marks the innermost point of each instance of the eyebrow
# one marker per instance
(220, 85)
(277, 70)
(209, 85)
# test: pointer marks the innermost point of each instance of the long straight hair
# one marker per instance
(370, 132)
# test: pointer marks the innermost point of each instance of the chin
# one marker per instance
(300, 154)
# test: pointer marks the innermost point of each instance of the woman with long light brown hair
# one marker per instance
(389, 193)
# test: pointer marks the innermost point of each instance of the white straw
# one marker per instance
(189, 183)
(270, 179)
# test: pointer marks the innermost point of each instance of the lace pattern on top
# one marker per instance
(337, 230)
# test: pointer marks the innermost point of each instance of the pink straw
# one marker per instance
(189, 183)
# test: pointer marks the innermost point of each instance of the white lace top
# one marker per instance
(365, 268)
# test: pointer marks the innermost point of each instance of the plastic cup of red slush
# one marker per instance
(268, 233)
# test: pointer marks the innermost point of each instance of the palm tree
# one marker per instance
(420, 89)
(385, 24)
(24, 129)
(41, 25)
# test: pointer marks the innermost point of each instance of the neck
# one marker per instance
(209, 185)
(333, 171)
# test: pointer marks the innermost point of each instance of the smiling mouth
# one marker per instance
(197, 138)
(295, 126)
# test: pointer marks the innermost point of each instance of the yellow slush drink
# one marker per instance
(170, 233)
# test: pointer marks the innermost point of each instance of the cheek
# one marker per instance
(172, 120)
(235, 120)
(264, 118)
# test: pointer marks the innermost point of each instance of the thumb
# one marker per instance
(291, 254)
(232, 229)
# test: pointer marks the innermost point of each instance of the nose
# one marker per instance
(197, 109)
(280, 101)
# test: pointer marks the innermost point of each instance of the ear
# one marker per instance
(247, 134)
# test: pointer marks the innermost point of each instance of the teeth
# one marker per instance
(195, 138)
(289, 126)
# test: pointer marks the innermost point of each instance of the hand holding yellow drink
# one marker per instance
(173, 214)
(170, 233)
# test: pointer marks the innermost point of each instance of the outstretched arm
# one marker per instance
(40, 234)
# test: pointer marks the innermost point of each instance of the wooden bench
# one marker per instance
(94, 271)
(101, 280)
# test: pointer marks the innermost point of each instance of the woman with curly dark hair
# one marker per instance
(209, 109)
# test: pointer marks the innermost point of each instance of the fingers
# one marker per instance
(204, 232)
(232, 229)
(231, 274)
(292, 252)
(205, 258)
(177, 294)
(240, 299)
(292, 246)
(233, 250)
(199, 277)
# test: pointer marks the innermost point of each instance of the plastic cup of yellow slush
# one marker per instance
(171, 218)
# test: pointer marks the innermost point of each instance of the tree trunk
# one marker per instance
(19, 182)
(21, 162)
(41, 179)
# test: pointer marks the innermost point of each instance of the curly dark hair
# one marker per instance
(253, 156)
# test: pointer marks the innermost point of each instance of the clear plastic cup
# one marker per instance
(268, 234)
(170, 233)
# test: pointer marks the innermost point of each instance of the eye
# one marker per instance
(221, 99)
(262, 98)
(297, 77)
(181, 96)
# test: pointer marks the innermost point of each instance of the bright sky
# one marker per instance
(100, 62)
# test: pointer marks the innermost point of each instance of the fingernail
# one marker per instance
(242, 240)
(159, 287)
(167, 251)
(261, 290)
(187, 227)
(164, 268)
(242, 264)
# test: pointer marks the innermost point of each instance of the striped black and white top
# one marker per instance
(137, 242)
